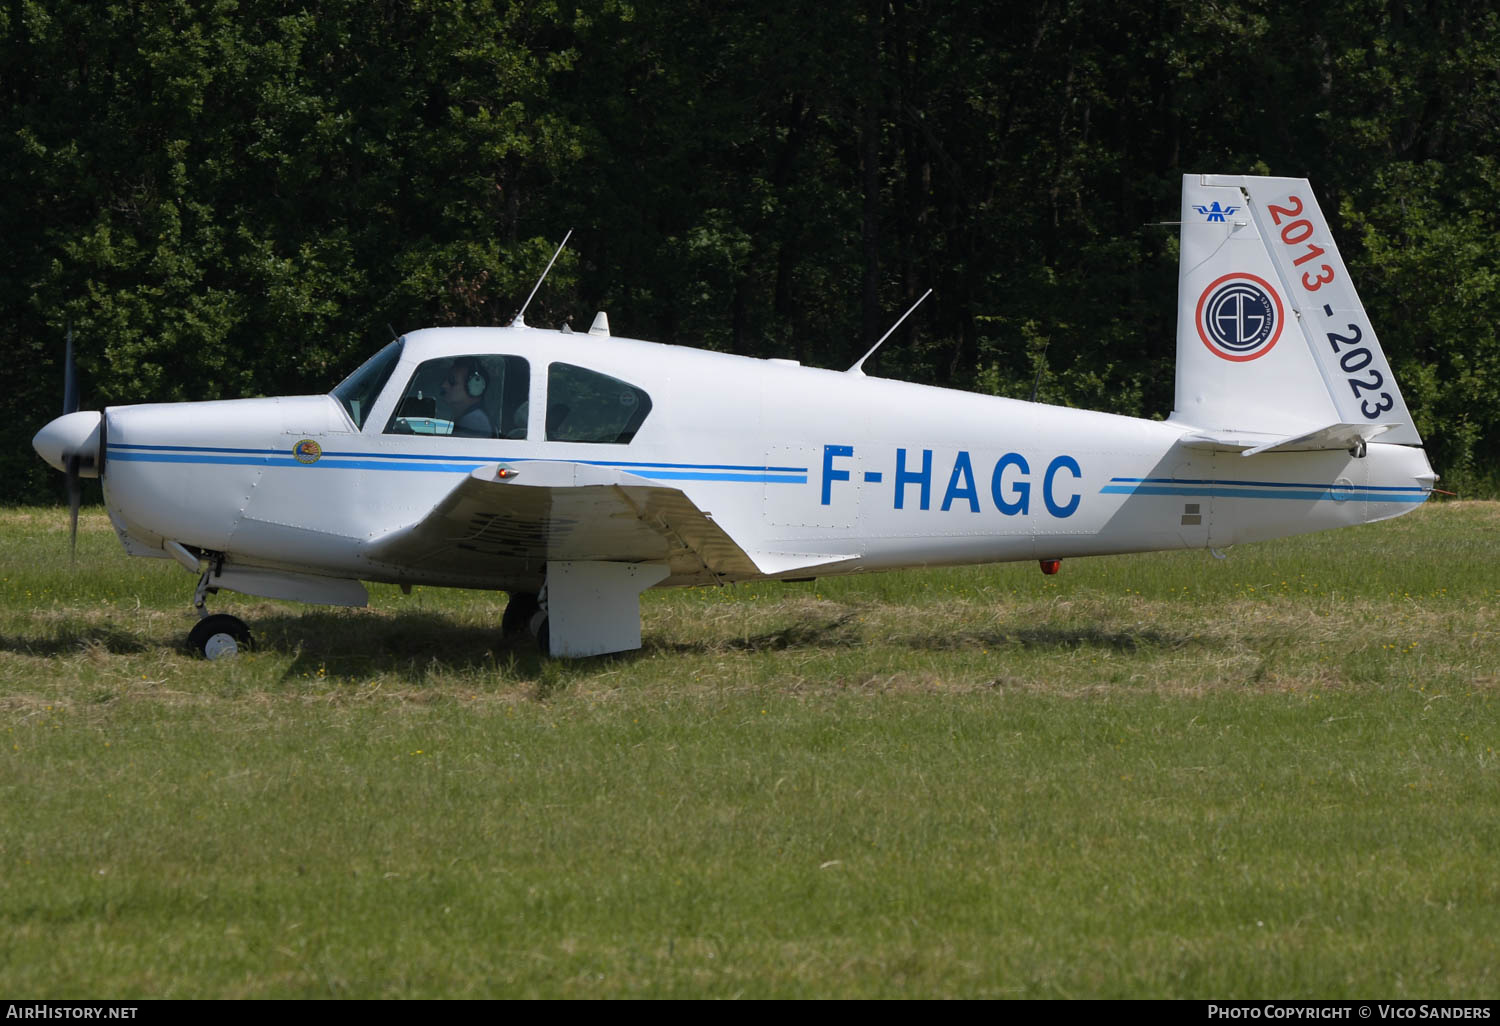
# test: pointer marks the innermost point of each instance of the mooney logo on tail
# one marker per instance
(1215, 212)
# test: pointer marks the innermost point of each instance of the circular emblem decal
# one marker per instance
(307, 451)
(1239, 317)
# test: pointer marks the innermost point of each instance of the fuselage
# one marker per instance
(878, 474)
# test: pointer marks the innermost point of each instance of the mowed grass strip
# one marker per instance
(1156, 775)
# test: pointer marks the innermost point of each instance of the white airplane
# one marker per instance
(575, 470)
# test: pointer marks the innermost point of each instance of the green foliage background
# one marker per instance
(238, 198)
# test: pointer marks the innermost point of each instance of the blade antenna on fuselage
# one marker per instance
(519, 321)
(856, 369)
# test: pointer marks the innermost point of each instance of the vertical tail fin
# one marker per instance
(1271, 336)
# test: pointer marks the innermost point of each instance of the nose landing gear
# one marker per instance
(216, 635)
(219, 636)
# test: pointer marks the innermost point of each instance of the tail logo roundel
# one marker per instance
(1239, 317)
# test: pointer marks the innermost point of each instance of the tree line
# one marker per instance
(228, 198)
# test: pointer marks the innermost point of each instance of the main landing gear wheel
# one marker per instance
(518, 613)
(219, 636)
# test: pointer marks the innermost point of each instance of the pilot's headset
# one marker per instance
(475, 381)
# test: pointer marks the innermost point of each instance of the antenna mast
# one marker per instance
(856, 369)
(519, 321)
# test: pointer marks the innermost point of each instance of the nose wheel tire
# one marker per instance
(219, 636)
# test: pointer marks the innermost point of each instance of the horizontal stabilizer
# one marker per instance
(1253, 443)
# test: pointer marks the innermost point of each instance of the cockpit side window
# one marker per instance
(586, 406)
(481, 396)
(359, 390)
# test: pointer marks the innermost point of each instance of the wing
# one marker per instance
(502, 521)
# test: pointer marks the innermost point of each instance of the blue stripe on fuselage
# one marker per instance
(449, 464)
(1265, 490)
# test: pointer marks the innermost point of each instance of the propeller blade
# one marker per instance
(73, 460)
(70, 378)
(75, 500)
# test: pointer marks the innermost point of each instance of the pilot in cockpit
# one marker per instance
(463, 390)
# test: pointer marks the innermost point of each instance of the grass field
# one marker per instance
(1159, 775)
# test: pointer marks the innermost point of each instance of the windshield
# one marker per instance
(359, 390)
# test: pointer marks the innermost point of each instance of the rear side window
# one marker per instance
(586, 406)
